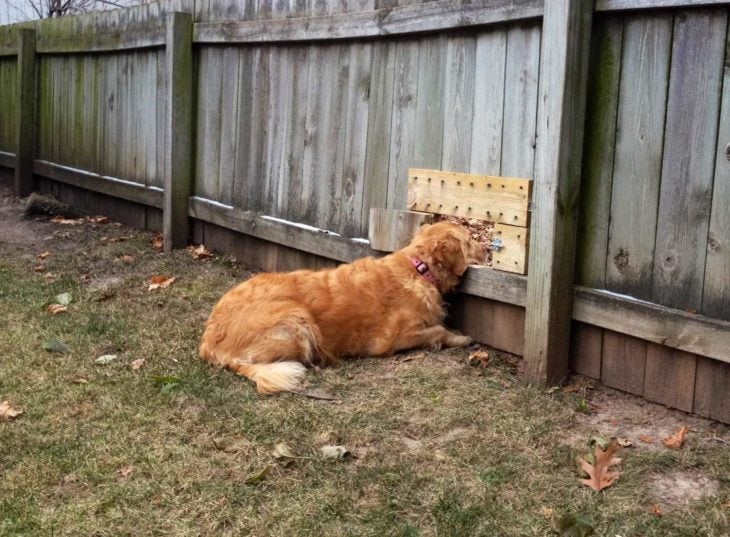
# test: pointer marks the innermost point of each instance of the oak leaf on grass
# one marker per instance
(7, 412)
(55, 309)
(161, 282)
(676, 440)
(599, 473)
(200, 252)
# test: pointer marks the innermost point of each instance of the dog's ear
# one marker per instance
(449, 253)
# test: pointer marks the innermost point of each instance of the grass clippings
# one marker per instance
(179, 448)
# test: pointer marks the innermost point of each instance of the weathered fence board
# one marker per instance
(689, 158)
(8, 103)
(380, 112)
(716, 290)
(624, 362)
(489, 84)
(669, 377)
(598, 152)
(638, 157)
(430, 103)
(520, 101)
(458, 103)
(404, 19)
(356, 134)
(403, 135)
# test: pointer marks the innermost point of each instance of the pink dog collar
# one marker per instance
(422, 269)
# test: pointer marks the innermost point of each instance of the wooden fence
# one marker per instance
(288, 121)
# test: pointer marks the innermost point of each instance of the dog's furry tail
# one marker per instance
(271, 378)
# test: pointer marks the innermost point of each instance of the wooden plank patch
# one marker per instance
(509, 245)
(391, 230)
(502, 200)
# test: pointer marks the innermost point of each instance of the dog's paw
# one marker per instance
(459, 340)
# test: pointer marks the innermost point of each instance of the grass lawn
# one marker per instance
(176, 447)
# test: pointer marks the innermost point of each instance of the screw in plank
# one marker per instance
(489, 185)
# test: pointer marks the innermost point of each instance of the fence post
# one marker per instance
(561, 110)
(178, 135)
(25, 127)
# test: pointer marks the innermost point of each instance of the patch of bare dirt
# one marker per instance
(645, 424)
(681, 488)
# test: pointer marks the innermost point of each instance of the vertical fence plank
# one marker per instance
(638, 160)
(402, 135)
(178, 147)
(689, 157)
(598, 152)
(353, 178)
(669, 377)
(458, 103)
(377, 155)
(297, 137)
(711, 394)
(561, 111)
(430, 103)
(25, 131)
(243, 182)
(624, 362)
(486, 136)
(716, 290)
(520, 100)
(586, 349)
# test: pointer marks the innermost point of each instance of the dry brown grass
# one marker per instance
(440, 448)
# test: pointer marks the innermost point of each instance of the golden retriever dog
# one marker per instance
(273, 325)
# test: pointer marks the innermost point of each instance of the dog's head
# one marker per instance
(447, 249)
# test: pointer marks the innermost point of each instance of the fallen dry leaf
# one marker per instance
(656, 510)
(40, 267)
(600, 474)
(478, 359)
(55, 309)
(44, 255)
(676, 441)
(7, 412)
(67, 221)
(106, 359)
(127, 259)
(285, 454)
(547, 512)
(158, 242)
(98, 219)
(136, 364)
(335, 453)
(161, 282)
(624, 442)
(646, 439)
(200, 252)
(232, 444)
(258, 476)
(80, 380)
(125, 471)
